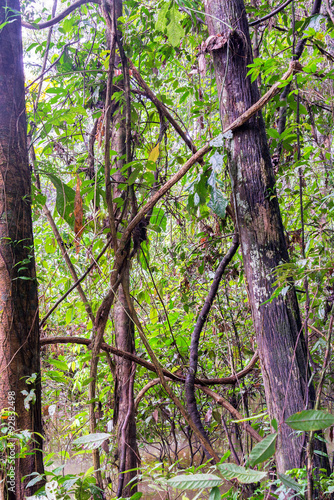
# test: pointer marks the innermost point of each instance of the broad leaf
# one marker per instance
(61, 365)
(218, 202)
(194, 481)
(310, 420)
(38, 477)
(136, 496)
(64, 200)
(263, 450)
(161, 22)
(243, 475)
(174, 30)
(154, 154)
(92, 441)
(290, 483)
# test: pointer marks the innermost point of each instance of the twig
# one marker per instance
(162, 108)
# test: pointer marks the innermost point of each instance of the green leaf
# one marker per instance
(65, 199)
(194, 481)
(290, 483)
(50, 246)
(56, 376)
(217, 162)
(61, 365)
(218, 202)
(215, 494)
(92, 441)
(174, 30)
(38, 477)
(161, 22)
(69, 483)
(310, 420)
(243, 475)
(136, 496)
(263, 450)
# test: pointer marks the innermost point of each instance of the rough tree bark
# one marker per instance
(19, 330)
(277, 323)
(124, 411)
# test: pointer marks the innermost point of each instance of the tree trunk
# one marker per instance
(277, 323)
(124, 413)
(124, 409)
(19, 331)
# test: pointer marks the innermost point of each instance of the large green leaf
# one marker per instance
(161, 22)
(218, 203)
(92, 441)
(61, 365)
(290, 483)
(263, 450)
(310, 420)
(174, 30)
(194, 481)
(64, 200)
(243, 475)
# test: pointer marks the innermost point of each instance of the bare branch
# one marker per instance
(231, 380)
(271, 14)
(60, 17)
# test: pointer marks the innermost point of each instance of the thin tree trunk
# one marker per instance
(277, 322)
(19, 330)
(124, 412)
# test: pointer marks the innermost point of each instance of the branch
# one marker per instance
(329, 11)
(231, 380)
(109, 198)
(193, 358)
(219, 399)
(162, 108)
(271, 14)
(225, 404)
(55, 20)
